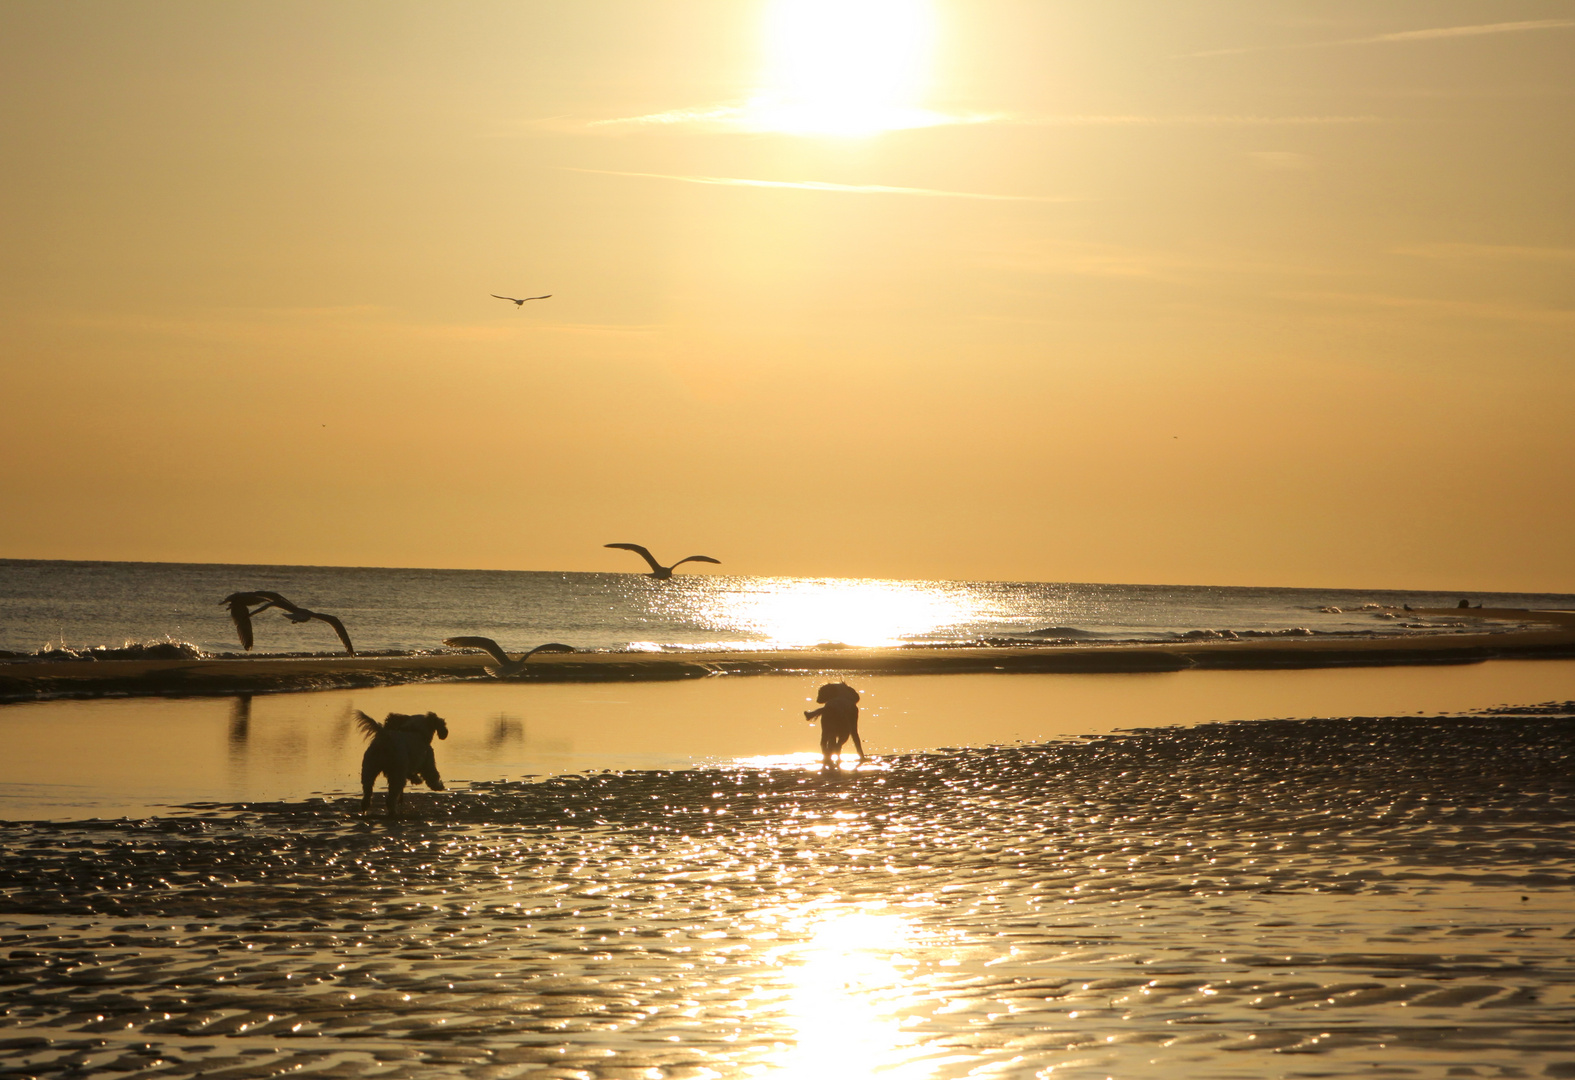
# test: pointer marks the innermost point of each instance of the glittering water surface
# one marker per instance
(1360, 896)
(95, 604)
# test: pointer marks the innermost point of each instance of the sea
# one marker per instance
(126, 608)
(1186, 875)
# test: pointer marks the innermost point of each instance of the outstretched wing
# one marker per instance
(278, 601)
(492, 648)
(244, 598)
(697, 558)
(543, 296)
(368, 726)
(551, 646)
(339, 628)
(239, 605)
(510, 299)
(656, 567)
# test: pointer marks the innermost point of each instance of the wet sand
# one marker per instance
(1325, 897)
(1523, 635)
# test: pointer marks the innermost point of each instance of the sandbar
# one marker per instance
(1548, 635)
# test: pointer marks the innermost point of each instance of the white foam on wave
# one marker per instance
(162, 649)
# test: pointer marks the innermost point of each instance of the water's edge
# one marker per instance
(35, 680)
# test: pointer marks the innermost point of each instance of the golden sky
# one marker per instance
(1214, 293)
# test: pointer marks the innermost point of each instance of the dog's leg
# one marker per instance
(369, 771)
(396, 791)
(398, 773)
(428, 770)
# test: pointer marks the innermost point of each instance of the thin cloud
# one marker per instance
(1431, 34)
(820, 185)
(764, 117)
(1465, 31)
(605, 328)
(719, 114)
(1176, 267)
(734, 118)
(1496, 252)
(1196, 120)
(1465, 309)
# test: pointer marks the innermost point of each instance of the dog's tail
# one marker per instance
(369, 727)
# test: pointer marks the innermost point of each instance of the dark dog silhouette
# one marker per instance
(401, 749)
(839, 721)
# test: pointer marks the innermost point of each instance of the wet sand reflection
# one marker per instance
(505, 730)
(240, 723)
(140, 756)
(846, 987)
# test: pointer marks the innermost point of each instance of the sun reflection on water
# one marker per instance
(799, 612)
(845, 993)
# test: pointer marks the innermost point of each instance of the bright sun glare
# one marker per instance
(845, 67)
(795, 613)
(846, 995)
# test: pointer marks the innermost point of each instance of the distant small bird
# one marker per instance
(520, 302)
(239, 603)
(658, 571)
(505, 665)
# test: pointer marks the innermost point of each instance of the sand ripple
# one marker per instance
(1277, 898)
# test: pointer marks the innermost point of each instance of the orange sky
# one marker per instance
(1225, 293)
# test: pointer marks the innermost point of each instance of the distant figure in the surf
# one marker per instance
(839, 720)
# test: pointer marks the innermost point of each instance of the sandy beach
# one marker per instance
(1542, 634)
(1344, 896)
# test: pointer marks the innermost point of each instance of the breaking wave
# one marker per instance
(166, 649)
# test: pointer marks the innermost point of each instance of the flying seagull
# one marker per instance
(658, 571)
(239, 605)
(505, 665)
(241, 611)
(520, 302)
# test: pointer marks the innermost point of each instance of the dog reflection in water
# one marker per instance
(401, 749)
(839, 721)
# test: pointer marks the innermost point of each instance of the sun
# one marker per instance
(794, 614)
(847, 68)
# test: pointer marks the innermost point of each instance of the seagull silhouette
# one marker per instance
(506, 665)
(521, 301)
(658, 571)
(239, 603)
